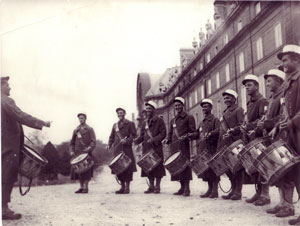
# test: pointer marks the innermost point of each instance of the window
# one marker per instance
(208, 58)
(202, 92)
(257, 8)
(196, 97)
(209, 86)
(201, 66)
(278, 35)
(190, 100)
(195, 72)
(241, 62)
(225, 39)
(244, 98)
(262, 87)
(218, 80)
(259, 48)
(240, 25)
(227, 72)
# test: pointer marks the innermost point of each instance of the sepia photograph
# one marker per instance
(150, 112)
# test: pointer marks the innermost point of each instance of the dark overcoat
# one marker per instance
(83, 140)
(208, 133)
(12, 119)
(157, 128)
(184, 124)
(126, 130)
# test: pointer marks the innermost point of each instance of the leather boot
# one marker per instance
(294, 221)
(186, 191)
(157, 186)
(121, 190)
(233, 185)
(180, 191)
(207, 194)
(264, 198)
(127, 187)
(214, 193)
(256, 195)
(151, 186)
(8, 214)
(237, 195)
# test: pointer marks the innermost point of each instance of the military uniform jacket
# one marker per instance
(209, 127)
(291, 89)
(126, 130)
(255, 110)
(83, 139)
(184, 124)
(274, 110)
(12, 119)
(232, 118)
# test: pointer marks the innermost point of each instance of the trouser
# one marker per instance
(6, 193)
(236, 182)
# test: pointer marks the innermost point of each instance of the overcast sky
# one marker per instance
(66, 56)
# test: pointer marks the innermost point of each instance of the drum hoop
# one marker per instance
(118, 155)
(171, 156)
(43, 160)
(71, 162)
(235, 143)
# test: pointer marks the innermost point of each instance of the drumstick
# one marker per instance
(28, 139)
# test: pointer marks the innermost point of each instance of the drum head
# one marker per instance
(32, 153)
(79, 158)
(172, 158)
(115, 159)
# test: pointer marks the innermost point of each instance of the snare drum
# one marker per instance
(81, 163)
(275, 161)
(120, 163)
(149, 161)
(231, 156)
(251, 152)
(199, 164)
(32, 162)
(217, 162)
(176, 163)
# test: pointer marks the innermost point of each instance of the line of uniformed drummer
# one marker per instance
(263, 117)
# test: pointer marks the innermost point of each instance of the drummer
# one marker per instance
(208, 133)
(274, 79)
(12, 140)
(182, 128)
(232, 119)
(152, 134)
(120, 140)
(83, 141)
(290, 57)
(255, 111)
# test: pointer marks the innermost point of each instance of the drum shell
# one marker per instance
(149, 161)
(250, 152)
(276, 161)
(121, 164)
(231, 156)
(30, 166)
(217, 162)
(178, 165)
(199, 163)
(84, 165)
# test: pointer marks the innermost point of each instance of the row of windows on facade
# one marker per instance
(241, 59)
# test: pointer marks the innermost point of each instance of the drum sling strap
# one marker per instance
(20, 186)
